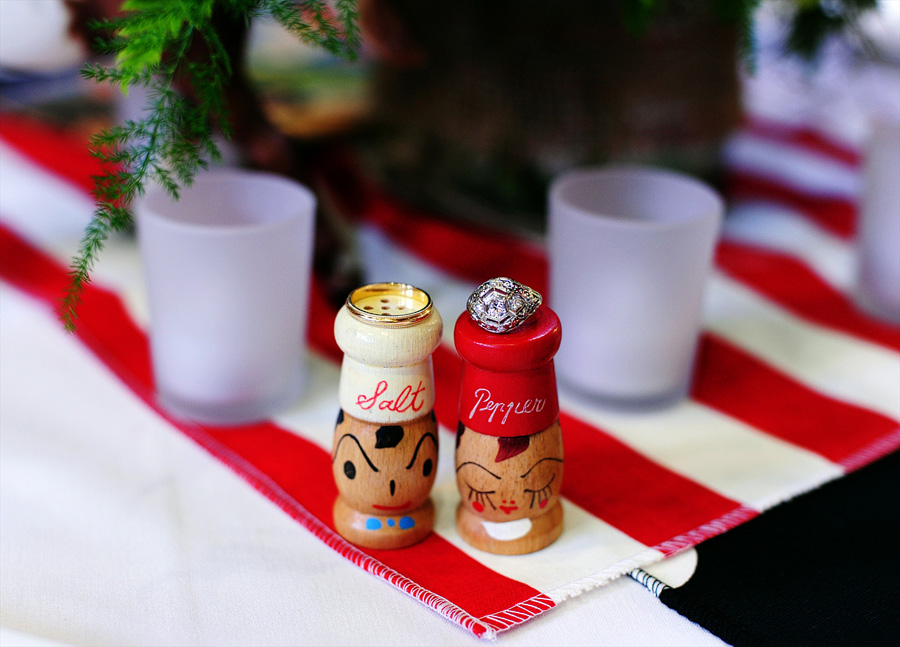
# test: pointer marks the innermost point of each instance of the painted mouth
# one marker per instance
(392, 507)
(509, 508)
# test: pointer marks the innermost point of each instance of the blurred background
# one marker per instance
(468, 108)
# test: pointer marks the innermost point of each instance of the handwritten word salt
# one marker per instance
(407, 399)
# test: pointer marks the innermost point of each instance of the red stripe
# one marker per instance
(713, 528)
(470, 251)
(511, 617)
(467, 250)
(832, 213)
(807, 138)
(794, 286)
(54, 149)
(447, 379)
(320, 333)
(298, 467)
(103, 324)
(303, 470)
(734, 382)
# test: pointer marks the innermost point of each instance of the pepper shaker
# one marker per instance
(385, 451)
(509, 449)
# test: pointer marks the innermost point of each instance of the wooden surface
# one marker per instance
(510, 490)
(384, 475)
(387, 345)
(354, 526)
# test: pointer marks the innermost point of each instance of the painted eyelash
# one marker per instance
(541, 494)
(482, 497)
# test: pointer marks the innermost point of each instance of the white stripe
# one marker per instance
(798, 167)
(676, 570)
(39, 204)
(52, 213)
(781, 229)
(833, 363)
(711, 448)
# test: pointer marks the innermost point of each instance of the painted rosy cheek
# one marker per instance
(543, 503)
(478, 507)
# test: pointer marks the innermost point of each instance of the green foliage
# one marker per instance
(315, 27)
(175, 137)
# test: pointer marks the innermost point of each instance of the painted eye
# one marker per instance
(427, 467)
(481, 499)
(542, 495)
(350, 470)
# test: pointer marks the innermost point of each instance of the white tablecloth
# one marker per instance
(116, 531)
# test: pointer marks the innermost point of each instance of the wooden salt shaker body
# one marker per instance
(384, 457)
(509, 454)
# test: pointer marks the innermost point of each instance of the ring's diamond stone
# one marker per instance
(497, 310)
(501, 304)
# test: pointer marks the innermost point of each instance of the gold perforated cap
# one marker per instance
(390, 304)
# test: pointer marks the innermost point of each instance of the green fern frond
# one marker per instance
(175, 138)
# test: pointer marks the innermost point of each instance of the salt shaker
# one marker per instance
(385, 451)
(509, 449)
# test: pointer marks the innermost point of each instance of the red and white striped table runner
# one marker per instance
(793, 387)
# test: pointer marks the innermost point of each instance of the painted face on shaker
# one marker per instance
(504, 479)
(389, 471)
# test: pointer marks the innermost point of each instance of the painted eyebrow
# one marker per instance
(548, 458)
(419, 444)
(366, 456)
(478, 465)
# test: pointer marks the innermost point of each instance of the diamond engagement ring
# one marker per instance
(501, 304)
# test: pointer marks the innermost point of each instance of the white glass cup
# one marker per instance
(227, 269)
(630, 250)
(878, 234)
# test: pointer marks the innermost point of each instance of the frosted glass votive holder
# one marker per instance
(630, 250)
(878, 232)
(227, 269)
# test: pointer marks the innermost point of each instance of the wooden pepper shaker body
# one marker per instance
(385, 451)
(509, 452)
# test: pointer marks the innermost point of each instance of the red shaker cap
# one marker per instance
(508, 385)
(528, 347)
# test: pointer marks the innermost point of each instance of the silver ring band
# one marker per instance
(501, 305)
